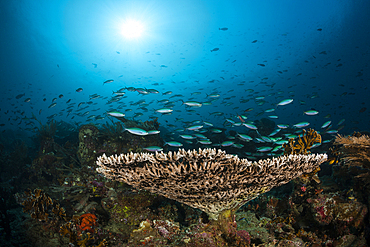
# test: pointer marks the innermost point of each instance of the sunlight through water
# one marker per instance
(132, 29)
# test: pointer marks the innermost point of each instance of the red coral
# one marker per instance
(87, 221)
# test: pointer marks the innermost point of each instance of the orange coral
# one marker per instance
(304, 143)
(73, 229)
(87, 221)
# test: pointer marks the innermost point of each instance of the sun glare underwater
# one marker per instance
(283, 84)
(132, 29)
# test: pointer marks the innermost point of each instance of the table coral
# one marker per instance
(209, 179)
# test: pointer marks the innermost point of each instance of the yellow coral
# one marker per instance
(304, 143)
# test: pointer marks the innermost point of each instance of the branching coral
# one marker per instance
(304, 143)
(211, 180)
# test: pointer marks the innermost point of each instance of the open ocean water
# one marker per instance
(241, 76)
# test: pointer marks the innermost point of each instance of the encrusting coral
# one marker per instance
(209, 179)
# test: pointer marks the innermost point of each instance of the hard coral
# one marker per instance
(204, 235)
(209, 179)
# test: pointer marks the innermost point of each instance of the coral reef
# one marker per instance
(87, 222)
(129, 209)
(213, 181)
(355, 149)
(146, 235)
(7, 215)
(151, 124)
(14, 159)
(40, 206)
(114, 139)
(76, 206)
(87, 136)
(304, 143)
(327, 208)
(319, 220)
(77, 236)
(353, 156)
(255, 227)
(78, 229)
(112, 131)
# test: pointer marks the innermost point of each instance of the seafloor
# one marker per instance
(51, 195)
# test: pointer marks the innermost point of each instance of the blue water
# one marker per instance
(315, 52)
(57, 54)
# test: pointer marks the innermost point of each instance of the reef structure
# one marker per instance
(209, 179)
